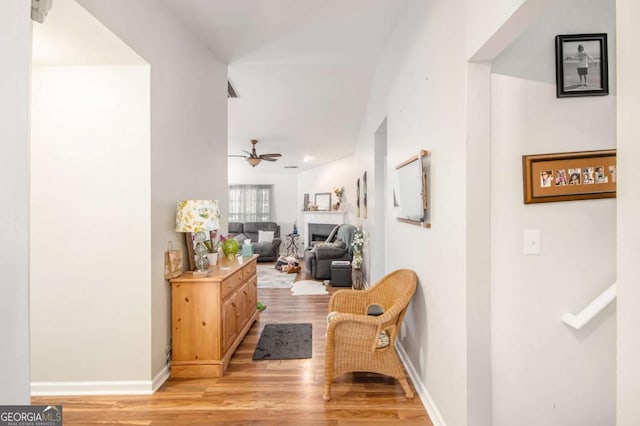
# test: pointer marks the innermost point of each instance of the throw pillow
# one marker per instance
(265, 236)
(240, 238)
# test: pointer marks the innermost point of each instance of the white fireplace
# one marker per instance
(320, 217)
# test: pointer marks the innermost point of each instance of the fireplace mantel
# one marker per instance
(320, 216)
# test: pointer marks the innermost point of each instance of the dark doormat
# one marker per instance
(284, 341)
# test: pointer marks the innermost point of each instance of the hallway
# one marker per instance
(259, 392)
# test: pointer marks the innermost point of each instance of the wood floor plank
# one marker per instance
(271, 392)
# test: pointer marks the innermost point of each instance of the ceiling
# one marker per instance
(302, 70)
(72, 36)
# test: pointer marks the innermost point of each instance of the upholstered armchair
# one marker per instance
(360, 342)
(318, 257)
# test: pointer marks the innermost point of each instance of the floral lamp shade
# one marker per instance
(197, 215)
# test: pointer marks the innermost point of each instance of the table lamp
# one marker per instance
(198, 216)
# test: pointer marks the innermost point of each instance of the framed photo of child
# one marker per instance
(581, 65)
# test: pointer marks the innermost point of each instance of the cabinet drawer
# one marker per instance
(232, 283)
(249, 270)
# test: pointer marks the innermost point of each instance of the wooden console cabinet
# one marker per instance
(210, 315)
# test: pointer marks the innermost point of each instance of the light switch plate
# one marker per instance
(531, 241)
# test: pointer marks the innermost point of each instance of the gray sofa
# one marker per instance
(268, 252)
(318, 257)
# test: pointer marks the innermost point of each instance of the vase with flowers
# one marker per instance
(356, 246)
(339, 191)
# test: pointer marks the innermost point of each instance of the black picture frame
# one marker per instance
(573, 50)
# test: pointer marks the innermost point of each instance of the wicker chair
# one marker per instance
(353, 336)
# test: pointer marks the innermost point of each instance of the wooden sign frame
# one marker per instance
(569, 176)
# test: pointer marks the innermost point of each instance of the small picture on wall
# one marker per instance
(561, 178)
(589, 175)
(546, 177)
(358, 198)
(600, 176)
(364, 195)
(581, 65)
(574, 176)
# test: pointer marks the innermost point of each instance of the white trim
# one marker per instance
(162, 376)
(429, 405)
(591, 310)
(115, 387)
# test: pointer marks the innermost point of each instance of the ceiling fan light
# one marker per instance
(253, 161)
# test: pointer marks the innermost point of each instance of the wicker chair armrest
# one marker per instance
(360, 331)
(349, 301)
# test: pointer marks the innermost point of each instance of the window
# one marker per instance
(250, 203)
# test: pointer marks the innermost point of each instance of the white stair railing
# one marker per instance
(591, 310)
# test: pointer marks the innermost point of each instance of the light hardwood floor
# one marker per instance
(259, 392)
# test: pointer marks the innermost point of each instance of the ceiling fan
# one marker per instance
(255, 159)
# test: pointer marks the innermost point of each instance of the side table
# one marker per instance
(357, 279)
(291, 244)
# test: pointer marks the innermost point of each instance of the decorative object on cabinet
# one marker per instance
(199, 216)
(212, 244)
(339, 191)
(305, 204)
(172, 262)
(410, 190)
(230, 247)
(323, 201)
(569, 176)
(581, 65)
(210, 316)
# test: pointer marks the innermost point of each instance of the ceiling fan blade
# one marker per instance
(250, 155)
(268, 158)
(235, 155)
(270, 155)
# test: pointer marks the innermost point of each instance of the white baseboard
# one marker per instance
(162, 376)
(434, 414)
(115, 387)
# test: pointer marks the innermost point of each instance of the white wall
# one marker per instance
(544, 371)
(188, 131)
(15, 71)
(420, 88)
(541, 368)
(90, 254)
(628, 388)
